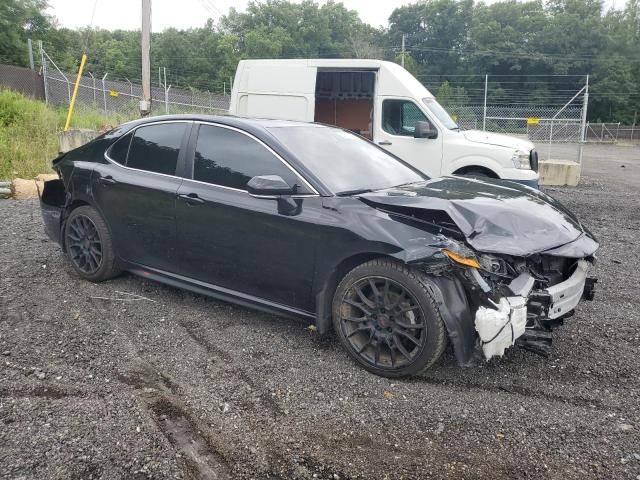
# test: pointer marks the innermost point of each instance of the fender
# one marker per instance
(456, 314)
(475, 161)
(78, 191)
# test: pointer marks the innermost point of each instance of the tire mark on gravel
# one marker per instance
(238, 373)
(177, 424)
(517, 390)
(48, 392)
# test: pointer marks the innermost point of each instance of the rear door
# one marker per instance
(263, 247)
(393, 131)
(135, 190)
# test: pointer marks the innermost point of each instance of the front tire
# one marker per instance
(387, 319)
(477, 173)
(88, 243)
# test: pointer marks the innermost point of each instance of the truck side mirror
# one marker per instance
(424, 130)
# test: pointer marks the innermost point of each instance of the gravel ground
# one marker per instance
(177, 385)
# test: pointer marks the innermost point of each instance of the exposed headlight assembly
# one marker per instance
(464, 260)
(520, 160)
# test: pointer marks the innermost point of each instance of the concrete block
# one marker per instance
(22, 189)
(559, 172)
(74, 138)
(45, 177)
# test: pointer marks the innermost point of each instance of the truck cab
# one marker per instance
(384, 103)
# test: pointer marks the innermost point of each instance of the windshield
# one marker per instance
(440, 113)
(344, 162)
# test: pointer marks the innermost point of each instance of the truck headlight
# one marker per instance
(520, 160)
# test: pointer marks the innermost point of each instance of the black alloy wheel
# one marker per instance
(84, 245)
(383, 322)
(387, 319)
(87, 241)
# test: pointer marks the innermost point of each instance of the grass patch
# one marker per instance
(29, 133)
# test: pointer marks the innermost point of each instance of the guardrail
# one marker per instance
(5, 189)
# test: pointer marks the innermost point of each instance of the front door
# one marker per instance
(135, 191)
(393, 131)
(230, 239)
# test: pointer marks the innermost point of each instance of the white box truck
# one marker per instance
(385, 103)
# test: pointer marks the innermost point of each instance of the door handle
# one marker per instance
(108, 180)
(385, 142)
(191, 198)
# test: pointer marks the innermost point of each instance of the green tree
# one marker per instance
(20, 20)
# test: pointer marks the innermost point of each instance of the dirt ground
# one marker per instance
(96, 382)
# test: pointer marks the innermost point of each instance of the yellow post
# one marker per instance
(75, 91)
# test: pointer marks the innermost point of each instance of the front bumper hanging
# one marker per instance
(528, 317)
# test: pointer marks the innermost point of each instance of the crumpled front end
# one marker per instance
(519, 300)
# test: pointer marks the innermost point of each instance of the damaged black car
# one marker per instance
(314, 222)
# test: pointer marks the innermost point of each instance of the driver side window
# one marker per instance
(228, 158)
(399, 117)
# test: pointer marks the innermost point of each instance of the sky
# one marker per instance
(182, 14)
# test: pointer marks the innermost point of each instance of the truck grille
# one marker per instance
(533, 160)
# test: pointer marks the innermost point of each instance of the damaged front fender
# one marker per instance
(456, 315)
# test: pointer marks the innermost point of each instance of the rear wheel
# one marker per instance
(89, 246)
(387, 319)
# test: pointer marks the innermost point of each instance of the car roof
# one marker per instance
(248, 124)
(258, 127)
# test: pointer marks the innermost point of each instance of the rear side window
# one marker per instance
(155, 148)
(118, 152)
(230, 159)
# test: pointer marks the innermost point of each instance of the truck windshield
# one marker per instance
(345, 163)
(440, 113)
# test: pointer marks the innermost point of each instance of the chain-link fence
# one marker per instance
(490, 108)
(501, 104)
(119, 99)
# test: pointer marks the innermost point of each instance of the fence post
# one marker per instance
(550, 139)
(104, 93)
(60, 72)
(93, 81)
(211, 101)
(44, 73)
(166, 99)
(633, 127)
(130, 87)
(484, 113)
(583, 133)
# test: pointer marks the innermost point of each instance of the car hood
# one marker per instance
(494, 216)
(488, 138)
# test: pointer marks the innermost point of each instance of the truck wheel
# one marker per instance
(88, 243)
(387, 319)
(477, 172)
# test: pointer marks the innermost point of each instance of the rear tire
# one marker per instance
(89, 246)
(387, 319)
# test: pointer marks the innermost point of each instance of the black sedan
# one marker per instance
(312, 221)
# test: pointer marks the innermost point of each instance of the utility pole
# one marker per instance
(30, 48)
(402, 58)
(145, 104)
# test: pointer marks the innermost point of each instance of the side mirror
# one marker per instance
(269, 185)
(424, 130)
